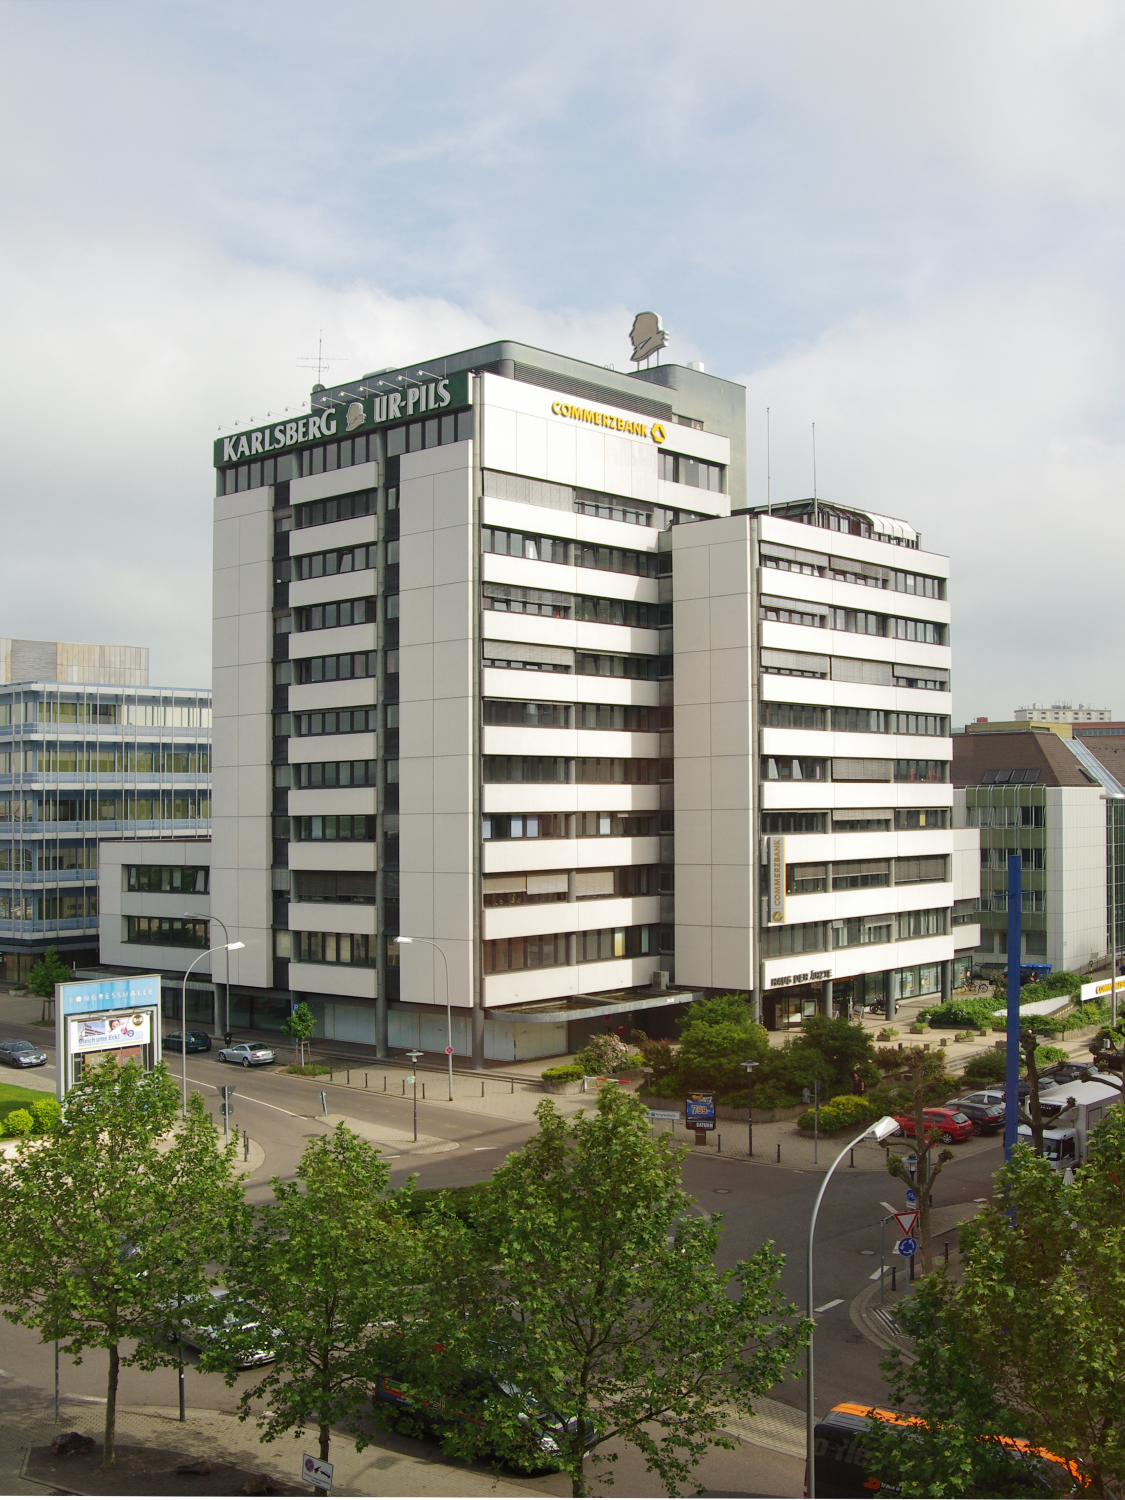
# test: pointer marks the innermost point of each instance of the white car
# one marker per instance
(246, 1053)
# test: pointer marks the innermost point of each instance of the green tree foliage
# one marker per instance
(299, 1026)
(114, 1219)
(590, 1296)
(334, 1267)
(1034, 1326)
(49, 971)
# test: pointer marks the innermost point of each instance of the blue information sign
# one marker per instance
(911, 1196)
(82, 997)
(907, 1246)
(699, 1112)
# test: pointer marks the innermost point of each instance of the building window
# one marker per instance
(331, 616)
(345, 887)
(331, 721)
(500, 711)
(849, 570)
(352, 948)
(794, 664)
(186, 878)
(573, 554)
(502, 955)
(328, 668)
(794, 768)
(331, 773)
(335, 508)
(502, 596)
(848, 769)
(167, 932)
(583, 825)
(921, 817)
(623, 716)
(922, 770)
(601, 664)
(677, 468)
(793, 612)
(793, 716)
(920, 871)
(794, 822)
(325, 564)
(434, 432)
(338, 828)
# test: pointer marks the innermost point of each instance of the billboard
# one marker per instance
(699, 1112)
(118, 1015)
(775, 862)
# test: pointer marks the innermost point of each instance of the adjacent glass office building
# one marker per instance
(80, 763)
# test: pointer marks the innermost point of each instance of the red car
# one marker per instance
(948, 1124)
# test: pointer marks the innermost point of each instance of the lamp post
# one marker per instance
(183, 1008)
(199, 916)
(877, 1132)
(429, 942)
(750, 1066)
(414, 1056)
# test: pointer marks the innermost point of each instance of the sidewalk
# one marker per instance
(392, 1465)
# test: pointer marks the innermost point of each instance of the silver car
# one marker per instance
(248, 1054)
(223, 1323)
(21, 1054)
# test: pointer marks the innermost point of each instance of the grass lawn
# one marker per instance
(13, 1097)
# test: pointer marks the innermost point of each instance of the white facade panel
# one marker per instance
(333, 642)
(334, 979)
(579, 979)
(328, 916)
(360, 585)
(331, 747)
(319, 855)
(503, 855)
(564, 687)
(570, 916)
(312, 801)
(332, 535)
(526, 796)
(356, 692)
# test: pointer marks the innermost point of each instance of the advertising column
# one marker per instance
(98, 1017)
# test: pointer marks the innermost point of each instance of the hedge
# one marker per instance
(845, 1109)
(564, 1073)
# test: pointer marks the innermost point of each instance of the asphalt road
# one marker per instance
(757, 1202)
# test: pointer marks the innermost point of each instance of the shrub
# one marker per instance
(889, 1059)
(563, 1073)
(845, 1109)
(309, 1070)
(47, 1113)
(989, 1067)
(605, 1054)
(962, 1011)
(1045, 1056)
(657, 1053)
(19, 1122)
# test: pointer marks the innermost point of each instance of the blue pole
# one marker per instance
(1012, 1076)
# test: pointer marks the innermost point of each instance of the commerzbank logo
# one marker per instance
(607, 419)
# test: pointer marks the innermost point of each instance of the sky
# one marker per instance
(902, 223)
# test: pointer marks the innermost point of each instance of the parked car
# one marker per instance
(20, 1054)
(948, 1123)
(218, 1321)
(987, 1118)
(995, 1095)
(248, 1054)
(1070, 1072)
(197, 1041)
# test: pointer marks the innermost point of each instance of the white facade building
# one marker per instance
(1064, 713)
(496, 667)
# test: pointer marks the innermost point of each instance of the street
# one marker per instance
(280, 1112)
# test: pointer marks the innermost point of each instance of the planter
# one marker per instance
(562, 1085)
(917, 1030)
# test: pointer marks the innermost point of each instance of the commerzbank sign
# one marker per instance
(345, 418)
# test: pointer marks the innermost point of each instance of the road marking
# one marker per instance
(882, 1271)
(837, 1303)
(91, 1400)
(249, 1099)
(486, 1148)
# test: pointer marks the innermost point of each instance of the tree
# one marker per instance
(335, 1269)
(299, 1025)
(49, 971)
(111, 1221)
(928, 1169)
(591, 1300)
(1036, 1319)
(843, 1044)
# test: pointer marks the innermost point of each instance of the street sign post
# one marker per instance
(317, 1472)
(226, 1107)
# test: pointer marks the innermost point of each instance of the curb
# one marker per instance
(875, 1323)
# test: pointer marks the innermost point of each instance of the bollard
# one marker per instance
(482, 1088)
(365, 1080)
(513, 1088)
(947, 1252)
(779, 1153)
(720, 1145)
(894, 1278)
(404, 1088)
(349, 1078)
(851, 1154)
(331, 1079)
(423, 1088)
(384, 1083)
(245, 1146)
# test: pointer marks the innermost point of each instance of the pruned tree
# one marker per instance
(929, 1165)
(113, 1219)
(335, 1269)
(299, 1026)
(589, 1311)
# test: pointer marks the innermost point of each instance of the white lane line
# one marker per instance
(249, 1098)
(486, 1148)
(828, 1305)
(882, 1271)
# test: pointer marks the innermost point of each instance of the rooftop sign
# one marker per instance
(80, 998)
(364, 413)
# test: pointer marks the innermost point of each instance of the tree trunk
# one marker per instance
(1034, 1115)
(109, 1449)
(578, 1479)
(324, 1438)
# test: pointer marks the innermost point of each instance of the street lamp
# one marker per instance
(750, 1066)
(876, 1132)
(183, 1006)
(199, 916)
(414, 1056)
(429, 942)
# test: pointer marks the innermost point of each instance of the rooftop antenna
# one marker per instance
(815, 505)
(322, 360)
(769, 499)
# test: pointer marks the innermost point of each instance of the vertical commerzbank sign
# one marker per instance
(345, 418)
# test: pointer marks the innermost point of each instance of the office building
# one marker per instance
(80, 762)
(1051, 795)
(1064, 713)
(504, 662)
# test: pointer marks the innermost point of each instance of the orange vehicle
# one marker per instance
(842, 1470)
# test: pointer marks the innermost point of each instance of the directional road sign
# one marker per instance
(911, 1196)
(906, 1222)
(907, 1247)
